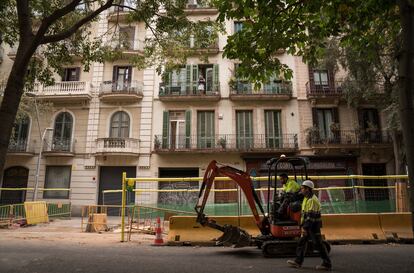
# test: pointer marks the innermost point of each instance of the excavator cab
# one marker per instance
(287, 224)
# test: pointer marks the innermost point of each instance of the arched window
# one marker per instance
(119, 125)
(62, 133)
(18, 140)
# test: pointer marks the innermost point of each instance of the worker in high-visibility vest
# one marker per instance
(289, 185)
(311, 223)
(290, 190)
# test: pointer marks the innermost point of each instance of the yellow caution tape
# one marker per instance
(265, 178)
(30, 189)
(138, 191)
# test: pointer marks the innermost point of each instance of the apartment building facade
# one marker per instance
(117, 118)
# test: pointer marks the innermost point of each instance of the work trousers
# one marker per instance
(316, 238)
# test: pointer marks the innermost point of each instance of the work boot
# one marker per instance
(324, 267)
(293, 263)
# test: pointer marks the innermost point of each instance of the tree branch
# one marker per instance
(57, 14)
(70, 31)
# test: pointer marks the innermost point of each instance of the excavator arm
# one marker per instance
(232, 235)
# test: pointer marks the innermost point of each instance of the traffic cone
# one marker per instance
(158, 234)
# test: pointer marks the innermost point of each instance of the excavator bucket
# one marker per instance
(234, 236)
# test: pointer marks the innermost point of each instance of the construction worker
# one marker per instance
(289, 185)
(311, 223)
(289, 192)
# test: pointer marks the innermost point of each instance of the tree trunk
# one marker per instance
(406, 78)
(12, 97)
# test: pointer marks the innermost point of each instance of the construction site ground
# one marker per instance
(60, 246)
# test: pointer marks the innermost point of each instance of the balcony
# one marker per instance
(324, 92)
(128, 91)
(128, 48)
(118, 14)
(13, 52)
(54, 147)
(70, 91)
(244, 91)
(183, 91)
(203, 47)
(257, 143)
(19, 148)
(194, 8)
(348, 139)
(117, 146)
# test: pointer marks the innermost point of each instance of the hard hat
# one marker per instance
(308, 183)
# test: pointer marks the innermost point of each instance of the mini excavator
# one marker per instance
(279, 234)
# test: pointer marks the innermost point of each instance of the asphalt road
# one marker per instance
(42, 255)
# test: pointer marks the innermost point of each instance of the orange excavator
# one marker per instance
(279, 233)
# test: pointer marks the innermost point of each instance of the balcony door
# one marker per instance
(244, 129)
(327, 122)
(205, 129)
(273, 129)
(177, 129)
(71, 74)
(120, 123)
(62, 133)
(18, 140)
(121, 78)
(370, 125)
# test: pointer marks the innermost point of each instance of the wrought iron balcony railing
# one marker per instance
(17, 146)
(188, 89)
(131, 87)
(58, 145)
(228, 142)
(327, 88)
(240, 87)
(348, 137)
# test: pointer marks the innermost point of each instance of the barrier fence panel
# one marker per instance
(338, 194)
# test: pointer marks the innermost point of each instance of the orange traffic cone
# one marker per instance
(158, 234)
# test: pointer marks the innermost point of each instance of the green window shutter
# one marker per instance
(187, 128)
(205, 129)
(188, 78)
(194, 82)
(165, 129)
(215, 77)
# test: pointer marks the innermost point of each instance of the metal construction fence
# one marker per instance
(16, 213)
(338, 194)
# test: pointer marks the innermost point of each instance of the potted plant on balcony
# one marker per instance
(222, 142)
(157, 143)
(312, 135)
(233, 84)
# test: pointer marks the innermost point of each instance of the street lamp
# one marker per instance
(42, 139)
(38, 162)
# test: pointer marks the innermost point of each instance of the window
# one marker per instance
(126, 37)
(177, 129)
(320, 77)
(121, 78)
(238, 26)
(273, 130)
(62, 133)
(325, 120)
(19, 135)
(241, 85)
(57, 177)
(119, 125)
(370, 125)
(192, 79)
(244, 129)
(71, 74)
(205, 129)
